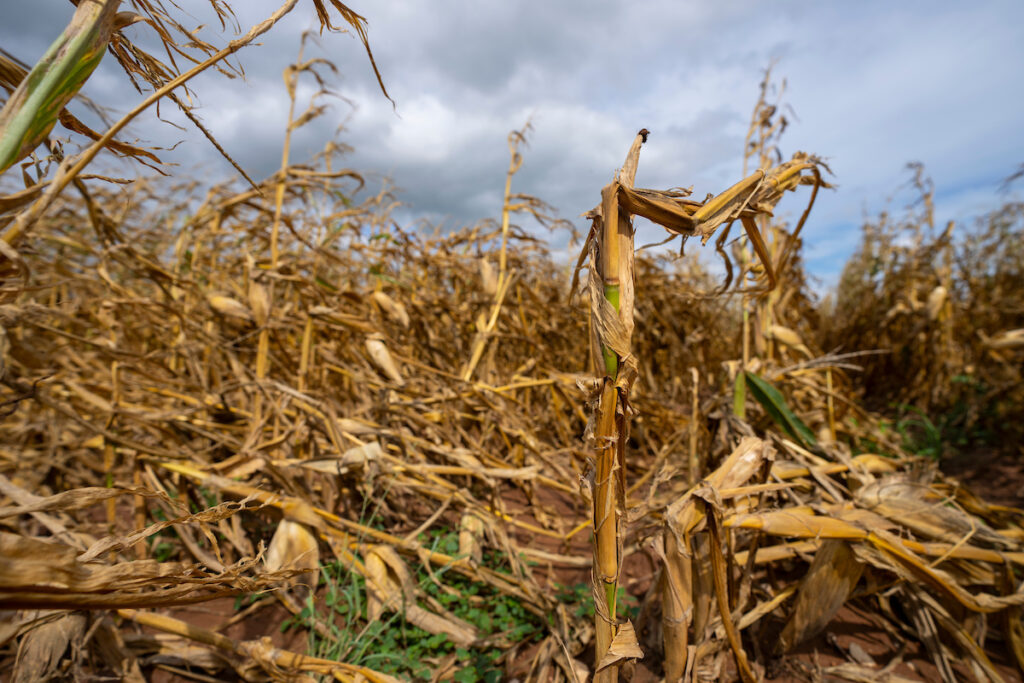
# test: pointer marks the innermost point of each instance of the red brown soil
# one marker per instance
(215, 616)
(998, 477)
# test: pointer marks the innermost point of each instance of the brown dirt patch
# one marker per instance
(996, 476)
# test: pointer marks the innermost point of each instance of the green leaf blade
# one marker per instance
(775, 405)
(32, 110)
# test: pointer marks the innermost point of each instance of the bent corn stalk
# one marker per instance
(610, 246)
(33, 109)
(613, 323)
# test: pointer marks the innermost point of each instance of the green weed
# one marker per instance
(580, 599)
(393, 645)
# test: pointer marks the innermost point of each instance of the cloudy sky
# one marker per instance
(873, 85)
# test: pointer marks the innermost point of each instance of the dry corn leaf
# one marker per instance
(39, 575)
(488, 278)
(797, 523)
(719, 571)
(115, 653)
(384, 592)
(471, 532)
(233, 308)
(886, 552)
(915, 507)
(202, 518)
(1007, 339)
(828, 584)
(42, 649)
(624, 646)
(394, 310)
(383, 359)
(744, 461)
(688, 581)
(359, 456)
(789, 338)
(848, 671)
(294, 546)
(927, 632)
(393, 589)
(5, 347)
(272, 660)
(1012, 626)
(982, 665)
(259, 302)
(936, 299)
(75, 499)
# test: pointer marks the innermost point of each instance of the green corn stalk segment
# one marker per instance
(32, 110)
(739, 396)
(611, 361)
(611, 366)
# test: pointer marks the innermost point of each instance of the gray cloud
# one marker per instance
(874, 85)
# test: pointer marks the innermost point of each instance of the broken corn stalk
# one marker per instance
(612, 297)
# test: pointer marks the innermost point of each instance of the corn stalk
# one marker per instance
(610, 246)
(512, 203)
(261, 296)
(612, 321)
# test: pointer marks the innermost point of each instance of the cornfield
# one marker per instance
(261, 431)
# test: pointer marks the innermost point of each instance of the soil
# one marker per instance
(995, 476)
(216, 615)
